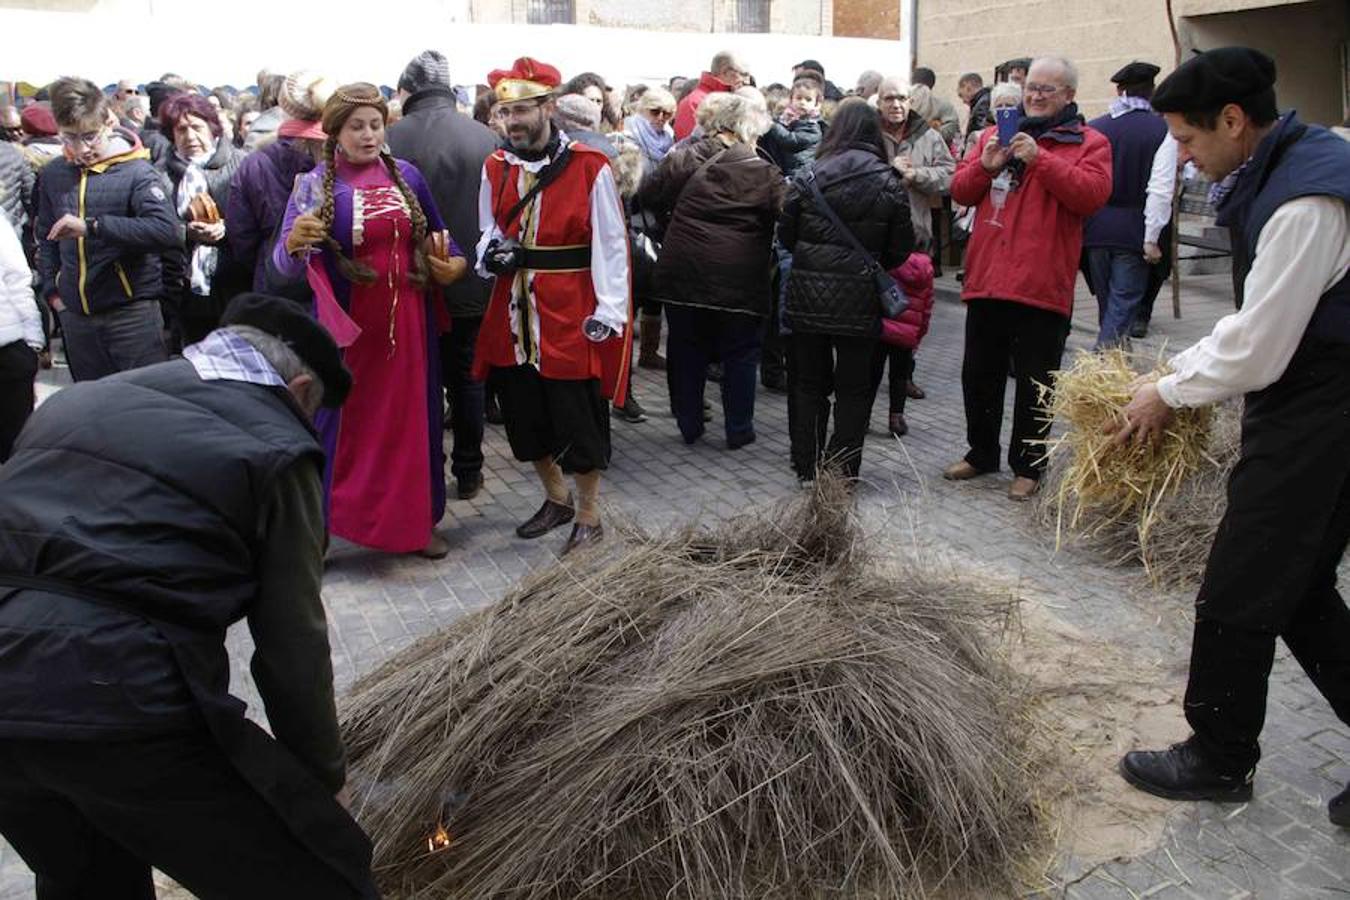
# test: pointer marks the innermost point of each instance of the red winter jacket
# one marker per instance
(1033, 258)
(915, 276)
(685, 120)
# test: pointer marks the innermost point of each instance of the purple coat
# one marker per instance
(294, 266)
(257, 202)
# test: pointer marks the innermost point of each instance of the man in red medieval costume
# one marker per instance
(555, 340)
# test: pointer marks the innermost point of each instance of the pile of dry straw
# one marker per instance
(1158, 504)
(749, 711)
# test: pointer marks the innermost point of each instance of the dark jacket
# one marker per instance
(156, 142)
(793, 146)
(171, 527)
(716, 251)
(828, 291)
(449, 148)
(136, 224)
(1295, 160)
(979, 117)
(230, 277)
(256, 203)
(1135, 137)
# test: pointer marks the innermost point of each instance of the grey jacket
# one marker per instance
(16, 185)
(933, 171)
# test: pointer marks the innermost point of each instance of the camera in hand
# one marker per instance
(503, 256)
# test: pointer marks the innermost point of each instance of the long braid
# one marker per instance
(350, 269)
(419, 221)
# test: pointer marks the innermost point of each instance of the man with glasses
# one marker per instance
(554, 342)
(104, 218)
(1022, 265)
(725, 74)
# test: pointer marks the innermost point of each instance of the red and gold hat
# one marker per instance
(527, 79)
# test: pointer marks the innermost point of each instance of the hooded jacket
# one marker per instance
(117, 261)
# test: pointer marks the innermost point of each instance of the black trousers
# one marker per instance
(91, 818)
(695, 337)
(18, 369)
(901, 373)
(568, 420)
(466, 396)
(1272, 570)
(823, 363)
(997, 331)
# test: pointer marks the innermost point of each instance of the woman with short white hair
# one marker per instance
(721, 199)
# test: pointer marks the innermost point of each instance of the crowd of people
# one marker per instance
(276, 302)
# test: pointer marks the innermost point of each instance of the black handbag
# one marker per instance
(892, 296)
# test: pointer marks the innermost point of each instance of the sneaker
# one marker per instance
(1181, 773)
(631, 411)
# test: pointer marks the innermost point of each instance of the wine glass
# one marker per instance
(998, 196)
(305, 195)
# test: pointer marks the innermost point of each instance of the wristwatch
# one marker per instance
(91, 226)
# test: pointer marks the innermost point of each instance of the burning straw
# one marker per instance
(1157, 504)
(748, 711)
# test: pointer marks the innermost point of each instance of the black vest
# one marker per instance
(148, 486)
(1294, 160)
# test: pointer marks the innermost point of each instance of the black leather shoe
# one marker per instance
(468, 486)
(737, 441)
(1338, 810)
(549, 517)
(1139, 329)
(583, 536)
(897, 424)
(1181, 773)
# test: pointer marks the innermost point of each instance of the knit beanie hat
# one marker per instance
(429, 68)
(576, 111)
(304, 95)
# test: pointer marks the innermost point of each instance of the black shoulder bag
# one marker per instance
(892, 297)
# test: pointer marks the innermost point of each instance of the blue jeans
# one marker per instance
(698, 336)
(1119, 278)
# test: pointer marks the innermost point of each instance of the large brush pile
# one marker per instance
(751, 711)
(1157, 504)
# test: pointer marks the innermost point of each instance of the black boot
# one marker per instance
(1339, 808)
(1181, 773)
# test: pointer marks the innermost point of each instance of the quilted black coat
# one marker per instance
(717, 247)
(828, 290)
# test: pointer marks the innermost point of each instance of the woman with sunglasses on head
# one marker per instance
(365, 228)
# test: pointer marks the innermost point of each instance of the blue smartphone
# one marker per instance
(1008, 118)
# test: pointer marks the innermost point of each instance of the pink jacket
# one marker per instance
(915, 276)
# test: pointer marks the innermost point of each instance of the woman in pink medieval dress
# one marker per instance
(364, 229)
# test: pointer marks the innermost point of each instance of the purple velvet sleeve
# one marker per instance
(287, 265)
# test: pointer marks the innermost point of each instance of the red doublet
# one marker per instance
(559, 216)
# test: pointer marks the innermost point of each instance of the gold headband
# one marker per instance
(509, 90)
(342, 97)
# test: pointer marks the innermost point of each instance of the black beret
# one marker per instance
(1136, 73)
(286, 320)
(1212, 79)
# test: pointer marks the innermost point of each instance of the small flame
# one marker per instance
(439, 840)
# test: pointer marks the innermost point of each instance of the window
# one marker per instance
(752, 15)
(550, 12)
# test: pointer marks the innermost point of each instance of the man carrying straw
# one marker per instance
(1282, 186)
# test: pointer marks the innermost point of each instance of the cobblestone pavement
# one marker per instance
(1278, 846)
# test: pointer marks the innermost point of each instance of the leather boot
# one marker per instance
(1182, 773)
(649, 344)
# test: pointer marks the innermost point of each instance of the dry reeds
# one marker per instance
(744, 712)
(1157, 504)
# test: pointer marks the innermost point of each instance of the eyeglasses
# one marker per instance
(1047, 90)
(518, 111)
(660, 113)
(88, 139)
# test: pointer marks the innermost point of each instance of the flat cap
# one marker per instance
(1136, 73)
(1214, 78)
(292, 325)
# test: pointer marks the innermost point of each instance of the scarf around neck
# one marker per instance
(205, 257)
(1058, 127)
(654, 144)
(1121, 105)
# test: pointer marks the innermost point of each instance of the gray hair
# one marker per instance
(870, 80)
(278, 354)
(1068, 68)
(723, 61)
(895, 83)
(1005, 90)
(740, 114)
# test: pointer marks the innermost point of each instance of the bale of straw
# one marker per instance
(751, 710)
(1158, 504)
